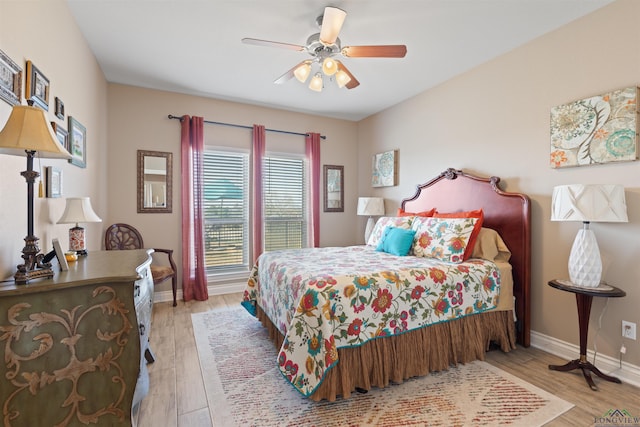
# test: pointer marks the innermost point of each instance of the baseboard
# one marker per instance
(628, 373)
(229, 288)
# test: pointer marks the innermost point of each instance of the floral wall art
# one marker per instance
(595, 130)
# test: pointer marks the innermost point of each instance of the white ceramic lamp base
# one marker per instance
(367, 231)
(585, 265)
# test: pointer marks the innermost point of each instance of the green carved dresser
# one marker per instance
(73, 347)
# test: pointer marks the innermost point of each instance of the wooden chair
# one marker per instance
(124, 236)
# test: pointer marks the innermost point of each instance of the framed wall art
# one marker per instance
(77, 143)
(53, 179)
(10, 80)
(61, 134)
(596, 130)
(37, 87)
(59, 108)
(333, 188)
(385, 169)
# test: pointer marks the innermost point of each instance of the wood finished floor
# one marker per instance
(177, 396)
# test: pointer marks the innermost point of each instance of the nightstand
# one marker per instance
(584, 297)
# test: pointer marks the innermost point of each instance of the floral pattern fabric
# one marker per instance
(388, 221)
(445, 239)
(322, 299)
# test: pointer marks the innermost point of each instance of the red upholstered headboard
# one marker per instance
(507, 213)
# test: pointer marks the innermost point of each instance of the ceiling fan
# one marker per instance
(323, 48)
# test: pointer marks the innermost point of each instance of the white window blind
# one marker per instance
(285, 206)
(226, 211)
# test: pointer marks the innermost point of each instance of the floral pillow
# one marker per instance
(388, 221)
(445, 239)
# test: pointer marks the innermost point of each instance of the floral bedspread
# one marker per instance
(322, 299)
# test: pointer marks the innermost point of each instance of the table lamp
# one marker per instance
(587, 203)
(370, 206)
(78, 209)
(26, 132)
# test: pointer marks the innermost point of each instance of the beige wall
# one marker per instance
(494, 120)
(45, 33)
(138, 121)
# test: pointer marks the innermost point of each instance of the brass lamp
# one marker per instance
(26, 132)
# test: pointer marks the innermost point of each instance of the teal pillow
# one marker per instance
(396, 241)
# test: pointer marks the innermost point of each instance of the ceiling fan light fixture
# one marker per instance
(342, 78)
(329, 66)
(302, 72)
(332, 21)
(316, 83)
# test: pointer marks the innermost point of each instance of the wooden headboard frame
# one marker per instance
(507, 213)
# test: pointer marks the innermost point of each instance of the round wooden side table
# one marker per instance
(584, 297)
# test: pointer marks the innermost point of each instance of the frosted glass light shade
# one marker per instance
(342, 78)
(302, 72)
(585, 265)
(316, 83)
(329, 66)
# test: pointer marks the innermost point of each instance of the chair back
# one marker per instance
(122, 236)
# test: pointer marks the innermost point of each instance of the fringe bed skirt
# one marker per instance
(394, 359)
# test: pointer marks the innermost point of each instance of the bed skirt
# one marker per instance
(379, 362)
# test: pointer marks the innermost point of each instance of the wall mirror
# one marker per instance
(155, 170)
(333, 188)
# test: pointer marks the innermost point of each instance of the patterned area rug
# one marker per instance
(244, 388)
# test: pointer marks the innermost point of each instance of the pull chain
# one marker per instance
(40, 185)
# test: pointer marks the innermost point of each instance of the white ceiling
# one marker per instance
(194, 47)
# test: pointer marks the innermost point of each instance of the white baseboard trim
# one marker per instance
(229, 288)
(628, 373)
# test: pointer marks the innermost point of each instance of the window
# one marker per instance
(226, 207)
(226, 211)
(285, 206)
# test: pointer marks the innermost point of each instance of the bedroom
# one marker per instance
(498, 113)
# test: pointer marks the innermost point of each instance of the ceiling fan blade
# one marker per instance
(353, 82)
(268, 43)
(332, 21)
(383, 51)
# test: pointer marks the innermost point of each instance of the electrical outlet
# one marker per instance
(629, 330)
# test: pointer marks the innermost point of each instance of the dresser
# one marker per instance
(72, 348)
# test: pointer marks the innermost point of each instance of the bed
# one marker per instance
(347, 319)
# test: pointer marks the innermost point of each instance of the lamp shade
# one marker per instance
(371, 206)
(78, 209)
(27, 129)
(589, 203)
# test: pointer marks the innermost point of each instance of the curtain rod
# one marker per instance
(171, 116)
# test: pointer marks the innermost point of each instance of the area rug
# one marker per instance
(244, 388)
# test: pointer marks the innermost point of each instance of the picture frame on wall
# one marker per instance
(333, 188)
(10, 80)
(61, 134)
(53, 180)
(59, 108)
(385, 169)
(37, 87)
(77, 143)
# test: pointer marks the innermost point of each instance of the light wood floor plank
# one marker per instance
(177, 396)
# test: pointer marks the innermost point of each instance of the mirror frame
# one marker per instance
(340, 171)
(169, 157)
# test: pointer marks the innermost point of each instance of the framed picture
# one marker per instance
(53, 179)
(385, 170)
(77, 143)
(60, 255)
(59, 108)
(596, 130)
(62, 134)
(333, 188)
(37, 88)
(10, 80)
